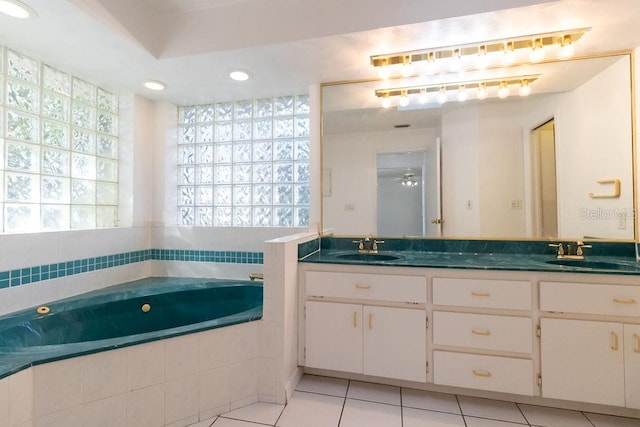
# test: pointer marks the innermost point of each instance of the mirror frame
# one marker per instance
(634, 160)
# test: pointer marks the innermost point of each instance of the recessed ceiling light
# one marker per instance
(239, 75)
(16, 9)
(155, 85)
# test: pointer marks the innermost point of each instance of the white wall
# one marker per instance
(352, 160)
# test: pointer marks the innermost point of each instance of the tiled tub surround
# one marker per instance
(179, 379)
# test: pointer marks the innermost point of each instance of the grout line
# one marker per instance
(344, 402)
(522, 412)
(464, 420)
(588, 419)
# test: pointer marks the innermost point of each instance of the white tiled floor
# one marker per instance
(332, 402)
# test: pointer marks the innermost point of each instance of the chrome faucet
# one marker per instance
(368, 245)
(577, 247)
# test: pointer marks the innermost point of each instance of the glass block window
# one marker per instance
(58, 149)
(244, 163)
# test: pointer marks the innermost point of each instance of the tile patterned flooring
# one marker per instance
(331, 402)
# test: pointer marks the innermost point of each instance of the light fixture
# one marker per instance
(408, 180)
(386, 101)
(567, 49)
(483, 92)
(443, 92)
(525, 89)
(481, 59)
(424, 97)
(456, 61)
(239, 75)
(404, 100)
(155, 85)
(537, 51)
(442, 95)
(16, 9)
(462, 94)
(508, 54)
(407, 67)
(489, 54)
(503, 90)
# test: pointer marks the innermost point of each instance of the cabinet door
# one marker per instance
(582, 360)
(395, 343)
(632, 365)
(333, 336)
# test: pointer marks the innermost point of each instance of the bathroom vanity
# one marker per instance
(474, 323)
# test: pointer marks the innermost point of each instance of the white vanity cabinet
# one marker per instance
(483, 334)
(365, 323)
(584, 358)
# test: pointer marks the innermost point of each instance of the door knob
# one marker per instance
(437, 221)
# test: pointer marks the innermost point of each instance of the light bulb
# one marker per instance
(525, 89)
(481, 59)
(537, 51)
(386, 102)
(462, 94)
(384, 72)
(456, 61)
(567, 49)
(404, 100)
(508, 54)
(482, 91)
(442, 96)
(407, 67)
(424, 97)
(431, 67)
(503, 90)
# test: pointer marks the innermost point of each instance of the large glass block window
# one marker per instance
(244, 163)
(58, 149)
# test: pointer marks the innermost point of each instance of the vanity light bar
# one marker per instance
(559, 38)
(421, 90)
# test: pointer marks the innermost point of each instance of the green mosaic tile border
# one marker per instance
(23, 276)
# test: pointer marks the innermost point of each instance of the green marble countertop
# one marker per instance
(478, 261)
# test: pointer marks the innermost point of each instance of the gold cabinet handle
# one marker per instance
(359, 286)
(625, 301)
(637, 349)
(481, 332)
(614, 341)
(355, 319)
(483, 374)
(370, 321)
(480, 293)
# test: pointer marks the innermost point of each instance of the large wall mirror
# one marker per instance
(555, 164)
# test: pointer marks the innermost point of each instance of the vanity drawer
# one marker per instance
(481, 331)
(483, 293)
(615, 300)
(502, 374)
(367, 286)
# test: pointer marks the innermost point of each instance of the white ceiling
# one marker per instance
(286, 45)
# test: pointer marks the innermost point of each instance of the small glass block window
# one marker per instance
(58, 149)
(244, 163)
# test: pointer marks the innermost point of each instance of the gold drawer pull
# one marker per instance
(483, 374)
(480, 293)
(359, 286)
(355, 319)
(614, 341)
(481, 332)
(625, 301)
(370, 321)
(637, 349)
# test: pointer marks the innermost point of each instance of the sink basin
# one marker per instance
(368, 257)
(601, 265)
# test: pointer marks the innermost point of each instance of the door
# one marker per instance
(395, 343)
(433, 191)
(632, 365)
(333, 336)
(583, 361)
(543, 181)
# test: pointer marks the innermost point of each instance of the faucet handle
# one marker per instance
(376, 243)
(579, 246)
(559, 246)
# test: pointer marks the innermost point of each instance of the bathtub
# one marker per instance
(124, 315)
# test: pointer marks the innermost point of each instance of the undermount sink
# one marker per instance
(368, 257)
(601, 265)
